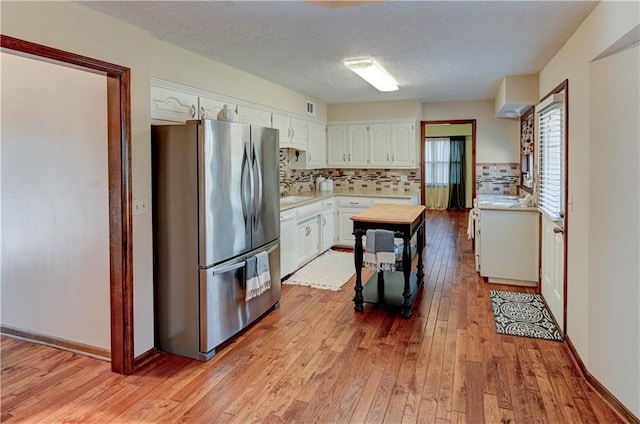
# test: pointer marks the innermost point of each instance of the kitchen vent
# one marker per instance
(311, 108)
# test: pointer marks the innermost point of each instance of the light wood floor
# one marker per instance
(316, 360)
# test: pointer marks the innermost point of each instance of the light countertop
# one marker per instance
(491, 202)
(305, 197)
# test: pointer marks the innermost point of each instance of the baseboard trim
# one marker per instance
(68, 345)
(142, 360)
(608, 397)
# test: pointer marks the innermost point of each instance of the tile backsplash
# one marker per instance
(345, 179)
(491, 178)
(497, 178)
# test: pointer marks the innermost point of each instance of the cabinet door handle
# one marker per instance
(324, 221)
(387, 157)
(349, 157)
(193, 111)
(201, 112)
(293, 132)
(344, 157)
(393, 157)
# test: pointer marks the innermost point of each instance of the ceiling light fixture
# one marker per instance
(373, 73)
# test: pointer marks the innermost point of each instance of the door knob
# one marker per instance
(558, 230)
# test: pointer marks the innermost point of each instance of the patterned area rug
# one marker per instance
(328, 271)
(522, 314)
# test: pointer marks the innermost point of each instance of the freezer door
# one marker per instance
(223, 309)
(266, 197)
(225, 181)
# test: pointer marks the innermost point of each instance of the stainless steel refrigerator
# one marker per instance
(215, 204)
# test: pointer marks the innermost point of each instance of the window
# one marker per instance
(551, 133)
(436, 166)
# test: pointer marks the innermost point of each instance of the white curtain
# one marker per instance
(436, 170)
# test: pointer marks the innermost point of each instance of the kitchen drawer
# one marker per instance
(391, 200)
(354, 202)
(309, 210)
(328, 204)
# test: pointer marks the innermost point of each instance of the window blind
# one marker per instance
(551, 158)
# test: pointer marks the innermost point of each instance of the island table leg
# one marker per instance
(420, 265)
(406, 270)
(358, 299)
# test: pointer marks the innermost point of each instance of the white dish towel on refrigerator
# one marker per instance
(258, 275)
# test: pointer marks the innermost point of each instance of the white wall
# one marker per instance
(614, 232)
(374, 111)
(604, 26)
(55, 216)
(497, 140)
(75, 28)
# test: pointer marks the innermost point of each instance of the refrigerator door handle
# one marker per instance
(257, 210)
(246, 162)
(226, 268)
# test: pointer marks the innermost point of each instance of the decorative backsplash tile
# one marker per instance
(347, 179)
(497, 178)
(491, 178)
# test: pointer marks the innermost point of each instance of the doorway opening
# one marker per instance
(448, 163)
(119, 183)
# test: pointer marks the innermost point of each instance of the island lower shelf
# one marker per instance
(390, 293)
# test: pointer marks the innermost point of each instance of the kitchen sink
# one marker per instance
(294, 199)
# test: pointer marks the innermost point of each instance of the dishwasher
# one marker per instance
(288, 242)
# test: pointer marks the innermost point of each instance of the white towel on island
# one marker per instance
(380, 252)
(258, 275)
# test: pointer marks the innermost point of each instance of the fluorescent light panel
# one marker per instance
(372, 73)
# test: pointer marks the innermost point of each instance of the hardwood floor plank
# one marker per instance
(475, 395)
(317, 360)
(366, 397)
(459, 395)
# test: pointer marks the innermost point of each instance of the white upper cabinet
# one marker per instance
(358, 145)
(317, 145)
(403, 145)
(377, 145)
(172, 105)
(251, 116)
(348, 145)
(316, 154)
(299, 133)
(336, 145)
(380, 136)
(209, 108)
(179, 106)
(293, 131)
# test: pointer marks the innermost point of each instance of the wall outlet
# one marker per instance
(403, 178)
(140, 206)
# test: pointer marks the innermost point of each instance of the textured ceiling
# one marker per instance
(436, 50)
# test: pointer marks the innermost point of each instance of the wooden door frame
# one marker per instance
(119, 166)
(423, 124)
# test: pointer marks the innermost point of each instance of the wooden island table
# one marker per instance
(393, 287)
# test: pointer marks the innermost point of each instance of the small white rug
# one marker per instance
(328, 271)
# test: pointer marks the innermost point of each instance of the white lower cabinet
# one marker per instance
(308, 239)
(508, 250)
(328, 224)
(347, 207)
(288, 242)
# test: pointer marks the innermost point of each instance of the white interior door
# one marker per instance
(552, 265)
(552, 165)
